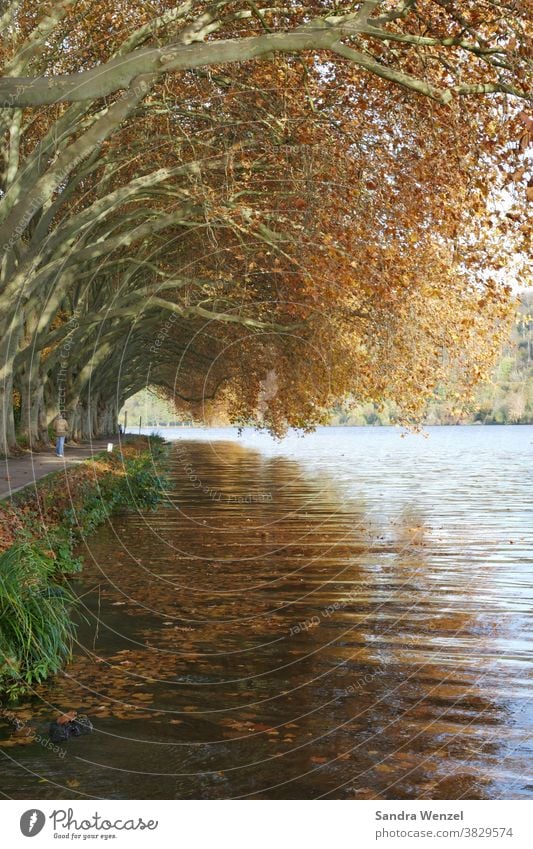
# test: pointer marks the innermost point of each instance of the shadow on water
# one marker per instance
(268, 634)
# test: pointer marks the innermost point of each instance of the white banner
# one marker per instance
(267, 824)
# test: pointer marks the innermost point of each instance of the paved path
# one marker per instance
(18, 472)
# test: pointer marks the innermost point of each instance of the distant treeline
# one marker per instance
(151, 410)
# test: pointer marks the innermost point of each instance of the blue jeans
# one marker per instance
(60, 446)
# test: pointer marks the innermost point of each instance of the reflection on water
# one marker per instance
(345, 616)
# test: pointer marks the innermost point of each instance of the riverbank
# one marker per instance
(40, 527)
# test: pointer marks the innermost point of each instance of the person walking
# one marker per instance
(60, 430)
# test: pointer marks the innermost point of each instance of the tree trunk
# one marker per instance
(83, 430)
(31, 393)
(107, 418)
(8, 441)
(29, 382)
(8, 344)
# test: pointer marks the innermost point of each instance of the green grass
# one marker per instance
(36, 604)
(36, 629)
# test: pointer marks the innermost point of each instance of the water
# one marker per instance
(346, 615)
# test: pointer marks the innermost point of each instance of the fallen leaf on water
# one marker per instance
(66, 717)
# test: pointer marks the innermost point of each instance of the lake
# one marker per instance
(341, 615)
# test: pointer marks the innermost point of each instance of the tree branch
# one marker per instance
(120, 72)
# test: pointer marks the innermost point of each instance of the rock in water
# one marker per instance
(57, 732)
(69, 725)
(81, 725)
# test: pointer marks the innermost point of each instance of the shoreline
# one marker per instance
(40, 528)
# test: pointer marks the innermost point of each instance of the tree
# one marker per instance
(273, 208)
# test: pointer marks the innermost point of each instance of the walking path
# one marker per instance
(18, 472)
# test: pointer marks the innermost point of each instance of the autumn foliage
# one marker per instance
(285, 208)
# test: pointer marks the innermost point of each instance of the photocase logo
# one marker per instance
(32, 822)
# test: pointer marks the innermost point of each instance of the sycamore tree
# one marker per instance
(262, 209)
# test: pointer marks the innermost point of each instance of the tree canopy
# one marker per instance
(262, 209)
